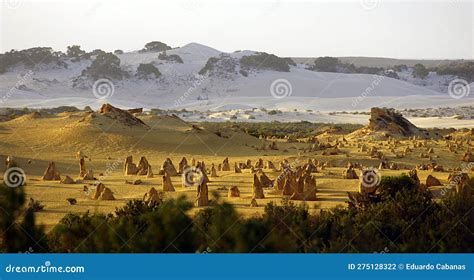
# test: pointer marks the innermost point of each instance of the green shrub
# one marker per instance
(420, 71)
(145, 70)
(76, 53)
(155, 46)
(405, 219)
(326, 64)
(173, 57)
(105, 65)
(463, 69)
(18, 231)
(29, 58)
(210, 65)
(137, 228)
(265, 61)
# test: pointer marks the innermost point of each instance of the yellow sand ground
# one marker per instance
(35, 141)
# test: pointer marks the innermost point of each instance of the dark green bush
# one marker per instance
(463, 69)
(18, 231)
(29, 58)
(210, 65)
(420, 71)
(172, 57)
(147, 70)
(405, 219)
(155, 46)
(76, 53)
(105, 65)
(265, 61)
(326, 64)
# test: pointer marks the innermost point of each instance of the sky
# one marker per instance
(311, 28)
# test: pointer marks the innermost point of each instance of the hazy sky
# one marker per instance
(400, 29)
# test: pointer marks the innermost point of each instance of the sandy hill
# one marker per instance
(228, 83)
(112, 130)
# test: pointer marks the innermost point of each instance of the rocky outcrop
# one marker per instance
(89, 175)
(168, 168)
(271, 165)
(151, 197)
(386, 122)
(257, 188)
(467, 157)
(309, 191)
(237, 168)
(213, 171)
(82, 167)
(202, 195)
(149, 173)
(102, 193)
(107, 194)
(183, 164)
(122, 116)
(167, 184)
(225, 165)
(432, 181)
(290, 185)
(459, 182)
(259, 163)
(350, 173)
(383, 119)
(51, 174)
(67, 180)
(253, 203)
(143, 166)
(130, 168)
(413, 173)
(233, 192)
(264, 180)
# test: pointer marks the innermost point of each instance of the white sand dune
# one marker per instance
(180, 87)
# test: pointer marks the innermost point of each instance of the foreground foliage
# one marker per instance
(404, 219)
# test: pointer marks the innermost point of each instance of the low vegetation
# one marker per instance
(105, 65)
(155, 46)
(223, 66)
(172, 57)
(404, 219)
(420, 71)
(262, 61)
(147, 71)
(333, 64)
(277, 129)
(29, 58)
(463, 69)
